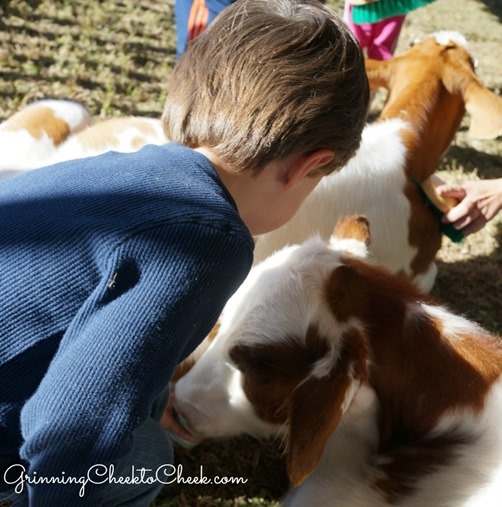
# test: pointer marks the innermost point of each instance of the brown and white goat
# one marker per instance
(429, 88)
(382, 396)
(33, 134)
(51, 131)
(125, 135)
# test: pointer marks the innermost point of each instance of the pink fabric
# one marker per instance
(378, 39)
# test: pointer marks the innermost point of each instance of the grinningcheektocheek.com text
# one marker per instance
(17, 476)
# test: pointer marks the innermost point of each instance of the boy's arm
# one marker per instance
(159, 295)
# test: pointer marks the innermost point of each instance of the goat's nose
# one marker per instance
(178, 426)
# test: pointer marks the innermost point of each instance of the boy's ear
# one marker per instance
(302, 166)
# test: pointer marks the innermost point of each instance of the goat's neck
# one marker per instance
(425, 361)
(434, 116)
(356, 437)
(420, 372)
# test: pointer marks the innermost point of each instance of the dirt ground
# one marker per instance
(115, 56)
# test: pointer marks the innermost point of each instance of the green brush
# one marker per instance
(381, 9)
(447, 229)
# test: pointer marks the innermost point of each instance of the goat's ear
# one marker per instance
(379, 73)
(483, 106)
(317, 405)
(352, 235)
(353, 227)
(485, 110)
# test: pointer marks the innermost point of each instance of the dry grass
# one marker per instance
(470, 273)
(115, 56)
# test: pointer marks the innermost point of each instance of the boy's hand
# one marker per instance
(172, 422)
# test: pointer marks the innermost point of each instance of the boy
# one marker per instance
(114, 268)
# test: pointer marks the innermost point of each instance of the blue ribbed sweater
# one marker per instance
(112, 270)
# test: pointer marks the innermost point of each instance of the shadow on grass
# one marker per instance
(6, 7)
(472, 287)
(494, 6)
(487, 165)
(261, 464)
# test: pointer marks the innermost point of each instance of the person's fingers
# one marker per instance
(462, 214)
(475, 226)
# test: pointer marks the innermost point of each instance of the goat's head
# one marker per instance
(281, 362)
(432, 83)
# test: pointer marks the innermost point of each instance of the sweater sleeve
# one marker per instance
(160, 293)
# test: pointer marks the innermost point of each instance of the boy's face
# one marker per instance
(293, 198)
(296, 178)
(269, 200)
(281, 207)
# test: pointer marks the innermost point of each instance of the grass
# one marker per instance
(115, 56)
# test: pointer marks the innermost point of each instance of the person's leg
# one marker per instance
(181, 15)
(385, 37)
(363, 33)
(13, 499)
(193, 17)
(152, 450)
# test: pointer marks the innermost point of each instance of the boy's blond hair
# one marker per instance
(269, 79)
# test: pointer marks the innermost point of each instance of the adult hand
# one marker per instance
(480, 201)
